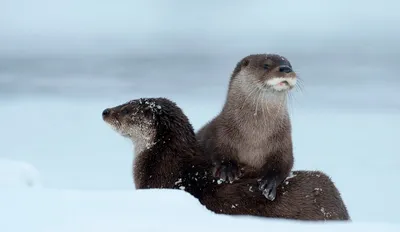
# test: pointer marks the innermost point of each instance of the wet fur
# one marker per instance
(176, 161)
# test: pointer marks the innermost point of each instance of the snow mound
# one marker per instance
(17, 174)
(48, 210)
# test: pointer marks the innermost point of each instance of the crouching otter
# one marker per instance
(167, 155)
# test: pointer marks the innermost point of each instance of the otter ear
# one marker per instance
(245, 62)
(239, 65)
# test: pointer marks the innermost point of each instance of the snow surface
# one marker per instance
(15, 174)
(141, 210)
(76, 210)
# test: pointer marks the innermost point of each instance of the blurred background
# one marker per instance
(63, 61)
(95, 48)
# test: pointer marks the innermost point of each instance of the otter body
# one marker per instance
(167, 155)
(308, 195)
(253, 128)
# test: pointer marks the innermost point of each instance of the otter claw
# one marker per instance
(225, 172)
(268, 188)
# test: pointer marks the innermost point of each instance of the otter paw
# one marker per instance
(267, 186)
(226, 172)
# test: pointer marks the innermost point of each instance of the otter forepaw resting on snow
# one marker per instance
(227, 171)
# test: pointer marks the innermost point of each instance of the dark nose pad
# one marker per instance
(285, 69)
(106, 112)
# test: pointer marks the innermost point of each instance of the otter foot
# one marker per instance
(226, 171)
(268, 187)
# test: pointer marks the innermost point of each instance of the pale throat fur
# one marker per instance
(258, 115)
(143, 138)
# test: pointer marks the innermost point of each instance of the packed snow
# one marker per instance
(53, 210)
(16, 174)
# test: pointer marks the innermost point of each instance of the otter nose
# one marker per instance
(285, 69)
(106, 112)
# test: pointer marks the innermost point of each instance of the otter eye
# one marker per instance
(125, 111)
(266, 66)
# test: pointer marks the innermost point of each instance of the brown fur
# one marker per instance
(169, 157)
(253, 127)
(309, 195)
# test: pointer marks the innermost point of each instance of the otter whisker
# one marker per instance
(300, 85)
(260, 101)
(253, 94)
(290, 101)
(248, 95)
(278, 114)
(262, 105)
(266, 86)
(256, 100)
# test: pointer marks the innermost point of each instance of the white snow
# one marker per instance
(16, 174)
(51, 210)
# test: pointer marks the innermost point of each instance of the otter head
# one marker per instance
(147, 120)
(270, 73)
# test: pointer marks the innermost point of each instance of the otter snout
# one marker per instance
(106, 112)
(109, 117)
(282, 83)
(285, 69)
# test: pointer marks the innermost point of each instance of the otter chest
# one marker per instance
(253, 156)
(252, 146)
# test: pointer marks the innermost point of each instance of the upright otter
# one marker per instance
(253, 128)
(167, 155)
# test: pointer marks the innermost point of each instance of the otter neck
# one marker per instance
(259, 109)
(161, 158)
(143, 145)
(164, 143)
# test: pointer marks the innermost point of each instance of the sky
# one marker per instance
(62, 25)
